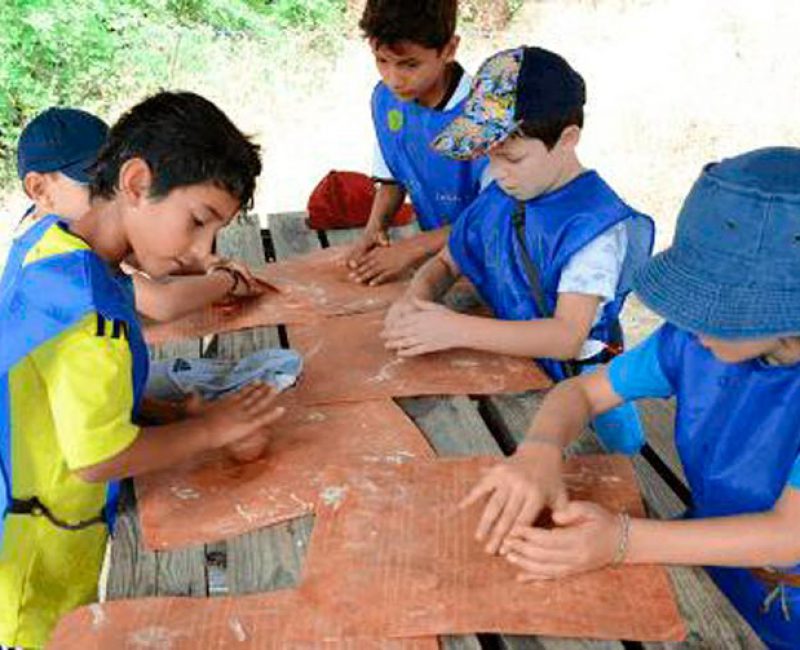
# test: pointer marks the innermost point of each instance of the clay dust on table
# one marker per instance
(246, 622)
(346, 361)
(302, 289)
(393, 556)
(217, 497)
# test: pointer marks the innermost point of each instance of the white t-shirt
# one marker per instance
(595, 271)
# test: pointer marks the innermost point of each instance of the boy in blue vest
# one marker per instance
(422, 89)
(73, 364)
(549, 246)
(54, 154)
(729, 289)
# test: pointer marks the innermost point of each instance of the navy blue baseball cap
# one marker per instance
(733, 270)
(65, 140)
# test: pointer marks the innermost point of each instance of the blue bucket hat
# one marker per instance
(510, 87)
(65, 140)
(733, 270)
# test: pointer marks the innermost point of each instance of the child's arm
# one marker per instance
(430, 328)
(590, 537)
(519, 488)
(226, 421)
(429, 283)
(393, 260)
(388, 199)
(175, 297)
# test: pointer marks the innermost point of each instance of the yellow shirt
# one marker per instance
(71, 401)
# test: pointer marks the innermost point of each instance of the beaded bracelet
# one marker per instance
(237, 277)
(624, 538)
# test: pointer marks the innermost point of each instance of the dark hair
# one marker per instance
(549, 131)
(185, 139)
(430, 23)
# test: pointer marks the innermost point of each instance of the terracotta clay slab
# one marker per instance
(306, 288)
(248, 622)
(346, 361)
(393, 556)
(217, 497)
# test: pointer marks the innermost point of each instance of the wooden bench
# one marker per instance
(271, 558)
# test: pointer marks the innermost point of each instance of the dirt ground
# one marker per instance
(672, 84)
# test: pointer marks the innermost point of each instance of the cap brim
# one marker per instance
(466, 139)
(78, 171)
(699, 305)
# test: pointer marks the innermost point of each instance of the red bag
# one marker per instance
(344, 200)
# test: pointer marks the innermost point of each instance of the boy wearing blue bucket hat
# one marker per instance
(729, 289)
(549, 246)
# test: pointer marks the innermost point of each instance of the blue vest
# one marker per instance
(738, 435)
(440, 188)
(486, 248)
(40, 300)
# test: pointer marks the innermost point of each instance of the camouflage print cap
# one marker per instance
(526, 83)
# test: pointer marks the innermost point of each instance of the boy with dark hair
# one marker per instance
(549, 246)
(422, 90)
(73, 363)
(55, 152)
(729, 353)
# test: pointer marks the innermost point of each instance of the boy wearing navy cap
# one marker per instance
(729, 289)
(549, 246)
(54, 154)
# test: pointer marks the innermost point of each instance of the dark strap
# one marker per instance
(570, 368)
(35, 508)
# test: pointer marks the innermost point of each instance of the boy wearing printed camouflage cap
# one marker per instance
(549, 246)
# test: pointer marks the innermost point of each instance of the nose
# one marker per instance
(202, 245)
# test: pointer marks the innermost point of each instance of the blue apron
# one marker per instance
(484, 244)
(440, 188)
(39, 301)
(738, 435)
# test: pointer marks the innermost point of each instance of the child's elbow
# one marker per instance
(568, 349)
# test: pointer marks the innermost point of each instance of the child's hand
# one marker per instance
(517, 490)
(401, 307)
(586, 538)
(386, 263)
(371, 238)
(245, 285)
(249, 449)
(423, 327)
(239, 415)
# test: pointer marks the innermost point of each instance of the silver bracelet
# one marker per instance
(624, 538)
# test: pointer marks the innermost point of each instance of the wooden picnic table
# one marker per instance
(271, 558)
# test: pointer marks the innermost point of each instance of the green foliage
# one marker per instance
(97, 54)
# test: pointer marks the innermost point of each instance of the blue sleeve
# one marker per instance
(637, 373)
(794, 477)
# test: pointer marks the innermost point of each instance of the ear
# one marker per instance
(570, 137)
(38, 189)
(135, 180)
(449, 52)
